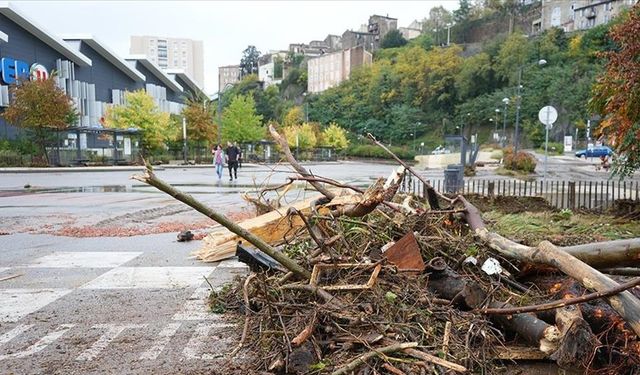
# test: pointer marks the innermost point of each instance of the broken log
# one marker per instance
(151, 179)
(284, 145)
(616, 253)
(579, 344)
(625, 303)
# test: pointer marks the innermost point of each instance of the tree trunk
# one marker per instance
(627, 305)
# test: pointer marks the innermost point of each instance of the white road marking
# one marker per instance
(113, 330)
(2, 269)
(199, 338)
(150, 277)
(15, 332)
(164, 337)
(234, 266)
(84, 259)
(196, 307)
(41, 344)
(16, 303)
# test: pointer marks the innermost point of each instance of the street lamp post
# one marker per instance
(519, 102)
(504, 122)
(495, 124)
(184, 139)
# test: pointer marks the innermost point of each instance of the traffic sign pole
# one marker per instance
(547, 115)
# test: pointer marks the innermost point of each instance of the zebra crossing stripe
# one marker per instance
(164, 337)
(41, 344)
(112, 331)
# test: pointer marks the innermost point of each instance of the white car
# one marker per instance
(440, 150)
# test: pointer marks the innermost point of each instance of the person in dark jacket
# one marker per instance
(232, 154)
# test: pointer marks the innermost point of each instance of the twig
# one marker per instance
(562, 302)
(326, 181)
(371, 354)
(11, 276)
(435, 360)
(393, 369)
(150, 178)
(413, 172)
(247, 311)
(445, 340)
(326, 296)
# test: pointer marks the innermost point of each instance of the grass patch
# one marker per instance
(562, 228)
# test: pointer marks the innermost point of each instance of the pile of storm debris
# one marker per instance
(376, 282)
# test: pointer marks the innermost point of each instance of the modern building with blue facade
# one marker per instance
(90, 73)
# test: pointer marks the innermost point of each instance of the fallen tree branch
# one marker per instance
(430, 189)
(616, 253)
(371, 354)
(561, 302)
(284, 145)
(151, 179)
(625, 303)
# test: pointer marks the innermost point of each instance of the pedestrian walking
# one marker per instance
(232, 154)
(218, 160)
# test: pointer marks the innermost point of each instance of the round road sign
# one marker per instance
(548, 115)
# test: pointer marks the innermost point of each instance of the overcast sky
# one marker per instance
(225, 27)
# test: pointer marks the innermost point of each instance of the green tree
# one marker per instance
(141, 112)
(40, 106)
(464, 10)
(513, 54)
(393, 39)
(249, 61)
(335, 136)
(240, 122)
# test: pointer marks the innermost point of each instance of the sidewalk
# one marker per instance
(108, 168)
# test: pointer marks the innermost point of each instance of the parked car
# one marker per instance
(440, 150)
(595, 152)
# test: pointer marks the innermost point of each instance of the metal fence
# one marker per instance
(590, 195)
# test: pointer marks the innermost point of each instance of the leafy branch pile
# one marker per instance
(377, 282)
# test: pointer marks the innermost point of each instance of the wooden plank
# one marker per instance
(563, 204)
(221, 243)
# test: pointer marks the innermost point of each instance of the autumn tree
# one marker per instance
(294, 116)
(301, 136)
(141, 112)
(240, 122)
(335, 136)
(198, 113)
(616, 95)
(40, 106)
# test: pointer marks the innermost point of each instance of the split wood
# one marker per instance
(247, 312)
(371, 354)
(561, 302)
(625, 303)
(151, 179)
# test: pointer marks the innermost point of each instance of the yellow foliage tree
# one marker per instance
(301, 136)
(295, 116)
(335, 136)
(141, 112)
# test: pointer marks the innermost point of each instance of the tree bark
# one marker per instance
(625, 303)
(150, 178)
(617, 253)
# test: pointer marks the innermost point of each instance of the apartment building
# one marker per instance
(228, 75)
(572, 15)
(171, 54)
(330, 69)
